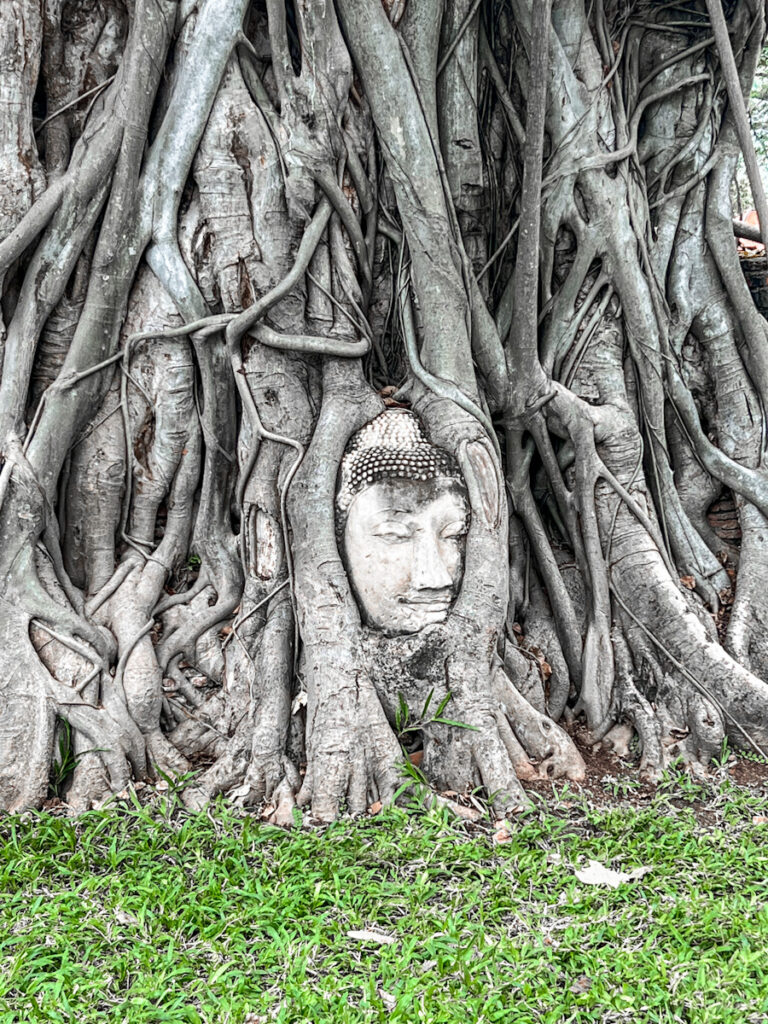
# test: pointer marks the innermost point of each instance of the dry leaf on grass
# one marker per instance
(460, 810)
(760, 819)
(124, 918)
(387, 999)
(368, 936)
(503, 831)
(596, 873)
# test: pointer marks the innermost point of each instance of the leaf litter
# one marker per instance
(596, 873)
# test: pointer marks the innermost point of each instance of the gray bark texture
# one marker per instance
(232, 232)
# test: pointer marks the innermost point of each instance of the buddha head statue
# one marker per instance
(402, 515)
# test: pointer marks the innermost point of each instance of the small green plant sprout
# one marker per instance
(175, 783)
(405, 723)
(170, 788)
(63, 766)
(753, 755)
(415, 783)
(620, 786)
(723, 756)
(406, 727)
(681, 782)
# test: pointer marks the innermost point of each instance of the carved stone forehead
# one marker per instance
(392, 446)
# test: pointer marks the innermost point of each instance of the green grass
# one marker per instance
(150, 915)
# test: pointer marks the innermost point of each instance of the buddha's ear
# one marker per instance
(483, 476)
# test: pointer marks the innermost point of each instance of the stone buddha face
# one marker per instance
(402, 514)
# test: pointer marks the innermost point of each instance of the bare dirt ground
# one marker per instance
(614, 782)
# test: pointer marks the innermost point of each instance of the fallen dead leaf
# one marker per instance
(502, 836)
(387, 999)
(596, 873)
(688, 581)
(760, 819)
(581, 984)
(375, 807)
(368, 936)
(467, 813)
(416, 757)
(124, 918)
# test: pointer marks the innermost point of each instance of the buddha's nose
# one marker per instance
(429, 570)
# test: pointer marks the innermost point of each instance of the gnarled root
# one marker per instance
(352, 753)
(39, 687)
(540, 737)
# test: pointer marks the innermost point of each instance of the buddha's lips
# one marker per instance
(428, 602)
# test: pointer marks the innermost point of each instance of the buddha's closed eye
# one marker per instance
(454, 531)
(393, 533)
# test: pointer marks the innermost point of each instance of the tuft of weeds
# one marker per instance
(64, 765)
(620, 786)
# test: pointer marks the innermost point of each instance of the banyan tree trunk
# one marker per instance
(232, 232)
